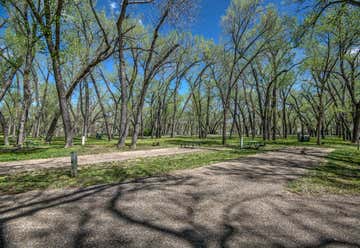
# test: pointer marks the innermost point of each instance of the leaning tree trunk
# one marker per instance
(61, 92)
(103, 111)
(139, 109)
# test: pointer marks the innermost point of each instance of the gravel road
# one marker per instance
(240, 203)
(35, 164)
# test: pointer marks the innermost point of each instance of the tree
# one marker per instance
(244, 28)
(51, 26)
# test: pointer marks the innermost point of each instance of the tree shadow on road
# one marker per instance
(187, 210)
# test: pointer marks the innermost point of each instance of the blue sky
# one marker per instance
(207, 21)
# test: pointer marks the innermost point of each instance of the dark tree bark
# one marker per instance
(103, 111)
(25, 104)
(122, 75)
(149, 73)
(274, 111)
(5, 128)
(85, 110)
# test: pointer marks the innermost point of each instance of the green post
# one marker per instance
(74, 164)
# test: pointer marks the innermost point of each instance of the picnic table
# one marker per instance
(30, 143)
(252, 144)
(190, 145)
(303, 138)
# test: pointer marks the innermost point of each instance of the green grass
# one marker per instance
(93, 146)
(331, 142)
(113, 172)
(56, 149)
(340, 174)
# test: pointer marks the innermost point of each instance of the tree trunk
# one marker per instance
(173, 118)
(124, 100)
(103, 111)
(139, 109)
(85, 113)
(122, 74)
(318, 130)
(26, 103)
(356, 123)
(274, 112)
(5, 129)
(284, 121)
(158, 119)
(36, 125)
(263, 127)
(207, 122)
(235, 110)
(224, 126)
(64, 110)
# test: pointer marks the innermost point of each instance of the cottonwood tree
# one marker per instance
(276, 59)
(157, 53)
(321, 62)
(50, 17)
(244, 26)
(25, 45)
(345, 23)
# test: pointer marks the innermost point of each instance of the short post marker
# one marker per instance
(74, 164)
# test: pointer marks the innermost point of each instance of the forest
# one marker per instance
(74, 69)
(179, 123)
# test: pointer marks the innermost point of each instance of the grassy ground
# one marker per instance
(113, 172)
(340, 174)
(39, 149)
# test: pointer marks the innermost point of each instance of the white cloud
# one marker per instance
(113, 5)
(354, 50)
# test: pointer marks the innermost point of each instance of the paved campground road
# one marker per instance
(240, 203)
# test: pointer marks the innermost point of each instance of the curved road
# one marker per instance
(241, 203)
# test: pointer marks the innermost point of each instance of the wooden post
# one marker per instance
(74, 164)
